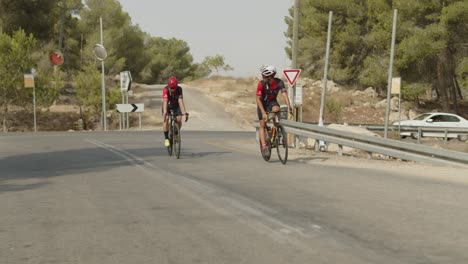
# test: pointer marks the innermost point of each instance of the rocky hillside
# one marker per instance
(344, 104)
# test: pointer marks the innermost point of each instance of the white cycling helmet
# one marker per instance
(268, 70)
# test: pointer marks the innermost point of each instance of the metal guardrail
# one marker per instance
(377, 127)
(387, 147)
(416, 131)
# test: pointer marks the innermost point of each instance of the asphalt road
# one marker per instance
(118, 198)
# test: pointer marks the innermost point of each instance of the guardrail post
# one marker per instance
(369, 155)
(419, 135)
(445, 136)
(317, 146)
(340, 150)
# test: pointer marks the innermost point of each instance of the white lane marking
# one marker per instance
(240, 208)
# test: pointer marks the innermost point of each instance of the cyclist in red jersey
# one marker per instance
(172, 100)
(267, 91)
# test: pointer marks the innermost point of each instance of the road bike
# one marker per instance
(276, 137)
(174, 134)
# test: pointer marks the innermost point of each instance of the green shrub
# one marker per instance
(335, 108)
(414, 91)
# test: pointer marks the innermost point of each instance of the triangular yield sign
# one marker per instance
(292, 75)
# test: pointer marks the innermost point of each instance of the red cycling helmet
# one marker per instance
(172, 82)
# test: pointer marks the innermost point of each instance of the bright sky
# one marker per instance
(248, 33)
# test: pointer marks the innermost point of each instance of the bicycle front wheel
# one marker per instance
(282, 144)
(176, 141)
(266, 157)
(171, 139)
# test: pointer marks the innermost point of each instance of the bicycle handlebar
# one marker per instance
(172, 114)
(276, 113)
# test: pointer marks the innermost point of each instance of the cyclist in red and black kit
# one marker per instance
(172, 100)
(267, 91)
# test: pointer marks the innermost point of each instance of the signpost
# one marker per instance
(125, 86)
(101, 54)
(321, 144)
(29, 83)
(125, 81)
(292, 75)
(131, 108)
(298, 98)
(56, 57)
(390, 71)
(396, 89)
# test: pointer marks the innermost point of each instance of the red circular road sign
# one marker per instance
(56, 57)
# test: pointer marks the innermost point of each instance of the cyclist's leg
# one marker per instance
(166, 122)
(166, 129)
(274, 105)
(261, 130)
(179, 117)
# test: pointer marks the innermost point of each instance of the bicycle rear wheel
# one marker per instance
(176, 141)
(282, 144)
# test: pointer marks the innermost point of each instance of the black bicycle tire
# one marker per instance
(176, 140)
(281, 135)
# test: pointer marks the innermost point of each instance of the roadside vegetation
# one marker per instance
(30, 30)
(431, 53)
(431, 57)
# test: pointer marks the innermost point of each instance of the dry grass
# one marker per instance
(236, 94)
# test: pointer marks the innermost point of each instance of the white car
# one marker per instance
(436, 120)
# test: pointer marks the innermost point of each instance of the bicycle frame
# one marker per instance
(275, 137)
(275, 120)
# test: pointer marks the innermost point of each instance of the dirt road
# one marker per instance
(205, 114)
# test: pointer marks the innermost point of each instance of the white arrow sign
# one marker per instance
(130, 108)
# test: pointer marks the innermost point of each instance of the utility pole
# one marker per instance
(294, 56)
(62, 24)
(390, 73)
(295, 34)
(104, 114)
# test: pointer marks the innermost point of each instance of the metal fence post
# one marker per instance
(419, 135)
(34, 105)
(139, 119)
(340, 150)
(128, 114)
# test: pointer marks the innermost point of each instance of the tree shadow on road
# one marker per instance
(22, 172)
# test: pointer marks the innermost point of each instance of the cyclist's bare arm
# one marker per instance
(165, 106)
(182, 105)
(286, 99)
